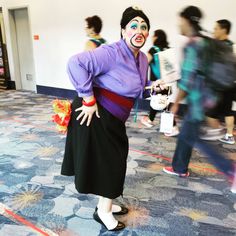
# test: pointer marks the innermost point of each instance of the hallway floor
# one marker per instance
(36, 200)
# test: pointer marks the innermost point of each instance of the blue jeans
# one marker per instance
(189, 138)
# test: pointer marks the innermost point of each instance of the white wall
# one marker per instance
(60, 26)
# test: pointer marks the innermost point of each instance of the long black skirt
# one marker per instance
(96, 155)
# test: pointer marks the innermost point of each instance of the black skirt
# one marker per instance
(96, 155)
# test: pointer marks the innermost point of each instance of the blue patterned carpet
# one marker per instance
(31, 153)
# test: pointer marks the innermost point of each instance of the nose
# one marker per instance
(139, 30)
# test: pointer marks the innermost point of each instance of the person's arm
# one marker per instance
(149, 57)
(82, 69)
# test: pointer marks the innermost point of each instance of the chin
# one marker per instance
(138, 45)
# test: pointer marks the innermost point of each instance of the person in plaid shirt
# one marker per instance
(191, 87)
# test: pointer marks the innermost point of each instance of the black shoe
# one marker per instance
(119, 226)
(123, 211)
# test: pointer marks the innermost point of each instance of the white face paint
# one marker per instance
(135, 33)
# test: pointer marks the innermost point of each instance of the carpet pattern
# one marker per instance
(31, 185)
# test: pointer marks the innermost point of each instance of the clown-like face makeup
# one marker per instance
(135, 33)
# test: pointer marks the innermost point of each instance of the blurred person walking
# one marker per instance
(191, 86)
(224, 106)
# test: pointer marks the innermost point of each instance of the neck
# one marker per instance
(192, 33)
(95, 36)
(223, 37)
(135, 52)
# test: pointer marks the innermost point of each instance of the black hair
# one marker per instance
(193, 15)
(161, 40)
(224, 24)
(94, 22)
(130, 13)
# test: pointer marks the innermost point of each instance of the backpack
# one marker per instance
(98, 42)
(218, 65)
(155, 65)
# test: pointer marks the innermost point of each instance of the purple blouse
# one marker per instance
(112, 67)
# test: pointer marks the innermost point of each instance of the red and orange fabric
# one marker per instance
(62, 109)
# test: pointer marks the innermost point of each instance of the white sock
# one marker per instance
(108, 219)
(115, 208)
(228, 135)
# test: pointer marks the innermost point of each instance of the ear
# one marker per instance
(225, 31)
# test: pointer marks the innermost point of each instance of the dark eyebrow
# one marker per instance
(143, 21)
(134, 20)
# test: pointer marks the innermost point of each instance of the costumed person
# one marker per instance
(108, 80)
(191, 86)
(93, 28)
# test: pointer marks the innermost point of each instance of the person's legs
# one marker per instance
(214, 129)
(104, 204)
(213, 115)
(213, 122)
(229, 137)
(222, 163)
(189, 138)
(175, 130)
(104, 215)
(148, 120)
(116, 209)
(152, 114)
(229, 119)
(186, 139)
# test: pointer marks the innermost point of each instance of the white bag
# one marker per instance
(168, 65)
(159, 102)
(166, 122)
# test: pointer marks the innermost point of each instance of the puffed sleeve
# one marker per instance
(84, 67)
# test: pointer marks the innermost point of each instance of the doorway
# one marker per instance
(4, 69)
(22, 49)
